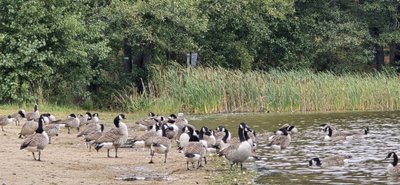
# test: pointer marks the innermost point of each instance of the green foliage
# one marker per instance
(47, 47)
(72, 52)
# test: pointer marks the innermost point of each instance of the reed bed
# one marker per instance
(215, 90)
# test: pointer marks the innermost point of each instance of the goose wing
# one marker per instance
(38, 140)
(277, 140)
(110, 136)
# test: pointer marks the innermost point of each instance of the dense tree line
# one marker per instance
(82, 51)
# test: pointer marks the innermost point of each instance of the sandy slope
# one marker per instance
(67, 161)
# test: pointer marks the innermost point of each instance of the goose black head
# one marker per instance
(9, 116)
(35, 108)
(118, 119)
(390, 155)
(395, 158)
(243, 125)
(209, 133)
(45, 114)
(121, 116)
(204, 129)
(151, 114)
(220, 128)
(21, 113)
(282, 131)
(314, 161)
(187, 129)
(95, 115)
(173, 116)
(290, 128)
(72, 116)
(89, 114)
(322, 127)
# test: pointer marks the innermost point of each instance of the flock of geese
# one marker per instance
(162, 133)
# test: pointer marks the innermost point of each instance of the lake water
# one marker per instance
(291, 165)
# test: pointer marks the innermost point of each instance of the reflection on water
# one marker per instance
(291, 165)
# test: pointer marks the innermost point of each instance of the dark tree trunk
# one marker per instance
(392, 52)
(127, 56)
(379, 56)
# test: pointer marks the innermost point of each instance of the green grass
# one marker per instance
(222, 174)
(216, 90)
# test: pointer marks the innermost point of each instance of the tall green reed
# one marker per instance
(214, 90)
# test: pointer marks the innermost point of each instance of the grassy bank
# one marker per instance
(215, 90)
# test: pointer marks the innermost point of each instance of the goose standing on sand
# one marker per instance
(5, 121)
(238, 152)
(36, 142)
(71, 122)
(160, 144)
(29, 127)
(113, 138)
(52, 130)
(392, 168)
(84, 119)
(91, 134)
(18, 116)
(195, 151)
(335, 160)
(147, 122)
(33, 115)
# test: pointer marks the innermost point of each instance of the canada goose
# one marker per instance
(29, 127)
(33, 115)
(93, 134)
(363, 131)
(334, 135)
(179, 119)
(392, 168)
(179, 122)
(90, 128)
(71, 122)
(323, 127)
(5, 121)
(52, 130)
(146, 138)
(195, 151)
(330, 137)
(160, 144)
(36, 142)
(113, 138)
(290, 128)
(222, 133)
(94, 118)
(210, 138)
(336, 160)
(18, 116)
(149, 121)
(83, 119)
(238, 152)
(280, 142)
(188, 134)
(170, 132)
